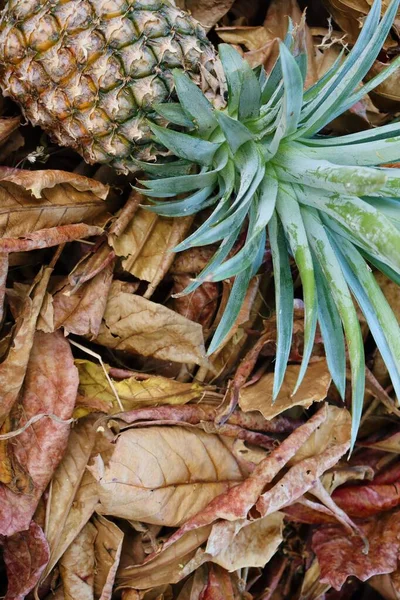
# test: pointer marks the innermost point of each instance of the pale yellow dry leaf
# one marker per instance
(137, 391)
(77, 566)
(146, 244)
(135, 324)
(34, 200)
(107, 550)
(314, 388)
(165, 475)
(311, 588)
(165, 567)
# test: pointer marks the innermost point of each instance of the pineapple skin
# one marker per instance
(89, 71)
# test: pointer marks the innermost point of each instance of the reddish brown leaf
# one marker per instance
(50, 387)
(196, 413)
(198, 306)
(366, 500)
(220, 585)
(45, 238)
(341, 556)
(25, 555)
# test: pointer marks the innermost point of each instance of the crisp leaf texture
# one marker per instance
(137, 325)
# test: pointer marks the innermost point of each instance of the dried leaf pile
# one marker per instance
(132, 465)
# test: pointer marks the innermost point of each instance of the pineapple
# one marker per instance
(262, 163)
(89, 71)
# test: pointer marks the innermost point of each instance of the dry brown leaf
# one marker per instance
(208, 12)
(387, 95)
(33, 200)
(13, 368)
(107, 550)
(146, 244)
(165, 475)
(3, 279)
(50, 388)
(137, 391)
(25, 555)
(165, 567)
(240, 544)
(7, 126)
(314, 388)
(77, 566)
(81, 311)
(46, 238)
(200, 305)
(135, 324)
(73, 493)
(387, 585)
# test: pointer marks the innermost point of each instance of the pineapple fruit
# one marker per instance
(89, 71)
(104, 76)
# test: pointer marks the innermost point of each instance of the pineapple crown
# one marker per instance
(320, 200)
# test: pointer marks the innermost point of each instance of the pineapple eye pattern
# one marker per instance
(264, 162)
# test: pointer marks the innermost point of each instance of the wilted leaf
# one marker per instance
(73, 490)
(208, 12)
(25, 554)
(239, 544)
(81, 311)
(387, 585)
(314, 388)
(7, 126)
(3, 279)
(50, 388)
(165, 567)
(33, 200)
(13, 368)
(137, 325)
(146, 244)
(165, 475)
(46, 238)
(77, 566)
(387, 95)
(237, 502)
(107, 549)
(137, 391)
(200, 305)
(341, 556)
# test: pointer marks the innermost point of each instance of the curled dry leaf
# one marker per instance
(137, 391)
(135, 324)
(165, 475)
(240, 544)
(208, 12)
(7, 126)
(107, 552)
(147, 243)
(89, 564)
(34, 200)
(77, 565)
(341, 556)
(314, 388)
(46, 238)
(50, 388)
(81, 311)
(164, 567)
(388, 586)
(73, 491)
(200, 305)
(13, 368)
(26, 555)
